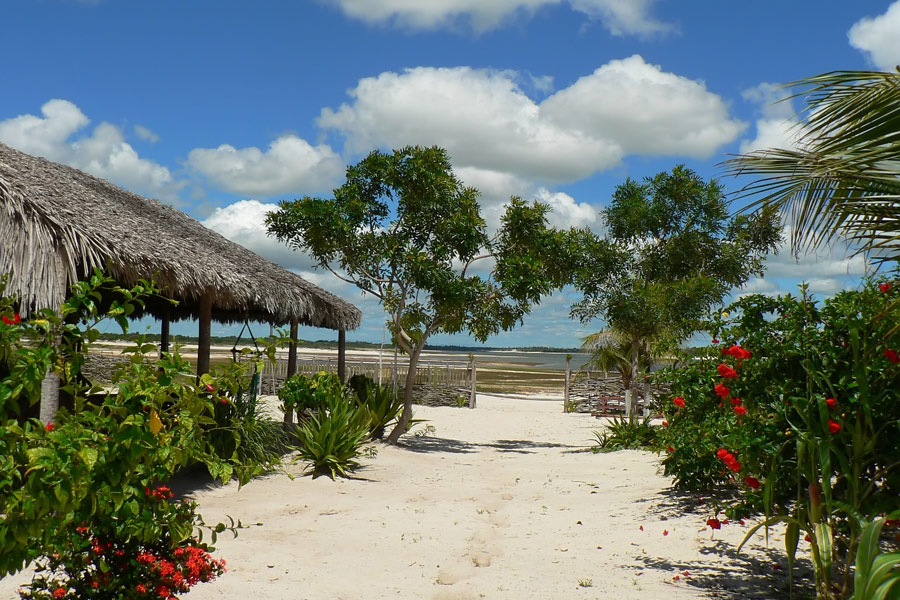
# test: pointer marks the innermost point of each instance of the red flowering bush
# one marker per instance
(79, 496)
(807, 429)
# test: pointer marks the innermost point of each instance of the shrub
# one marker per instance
(798, 408)
(331, 438)
(304, 394)
(379, 402)
(94, 468)
(625, 433)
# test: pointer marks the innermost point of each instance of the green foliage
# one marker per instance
(95, 466)
(309, 394)
(404, 229)
(841, 177)
(379, 402)
(671, 253)
(624, 433)
(331, 438)
(809, 425)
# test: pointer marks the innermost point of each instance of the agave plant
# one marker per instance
(843, 177)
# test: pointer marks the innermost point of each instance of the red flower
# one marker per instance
(727, 372)
(735, 401)
(665, 532)
(141, 589)
(714, 523)
(831, 402)
(892, 356)
(665, 423)
(678, 401)
(670, 449)
(14, 321)
(885, 287)
(722, 453)
(752, 482)
(210, 388)
(733, 464)
(223, 400)
(833, 426)
(715, 341)
(737, 352)
(722, 391)
(59, 592)
(740, 410)
(49, 426)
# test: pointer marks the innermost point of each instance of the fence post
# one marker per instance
(628, 403)
(568, 376)
(474, 378)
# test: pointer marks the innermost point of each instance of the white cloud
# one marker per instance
(879, 37)
(645, 110)
(290, 165)
(145, 134)
(485, 120)
(565, 212)
(777, 125)
(244, 223)
(620, 17)
(103, 153)
(757, 285)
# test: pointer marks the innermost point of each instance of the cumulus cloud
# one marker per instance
(620, 17)
(776, 126)
(290, 165)
(145, 134)
(879, 37)
(565, 212)
(485, 120)
(104, 152)
(244, 223)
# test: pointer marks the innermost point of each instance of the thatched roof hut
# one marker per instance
(58, 223)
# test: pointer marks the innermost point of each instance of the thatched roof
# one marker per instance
(56, 219)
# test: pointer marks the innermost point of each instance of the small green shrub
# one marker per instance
(332, 438)
(304, 394)
(627, 434)
(380, 404)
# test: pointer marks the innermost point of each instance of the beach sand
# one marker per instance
(503, 501)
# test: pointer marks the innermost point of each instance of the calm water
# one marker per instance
(544, 360)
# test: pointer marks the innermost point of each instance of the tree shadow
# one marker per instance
(433, 444)
(522, 446)
(762, 575)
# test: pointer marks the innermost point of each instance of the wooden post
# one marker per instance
(291, 370)
(164, 334)
(342, 355)
(204, 333)
(472, 370)
(566, 390)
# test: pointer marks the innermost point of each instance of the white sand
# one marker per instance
(499, 502)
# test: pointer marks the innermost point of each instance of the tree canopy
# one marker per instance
(404, 229)
(671, 253)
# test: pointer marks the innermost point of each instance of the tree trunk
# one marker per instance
(635, 372)
(405, 418)
(49, 397)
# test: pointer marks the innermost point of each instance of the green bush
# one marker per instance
(332, 437)
(305, 394)
(625, 433)
(379, 402)
(799, 408)
(92, 477)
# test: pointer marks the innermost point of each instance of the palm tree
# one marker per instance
(612, 350)
(843, 177)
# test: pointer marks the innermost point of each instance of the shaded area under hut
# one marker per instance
(58, 223)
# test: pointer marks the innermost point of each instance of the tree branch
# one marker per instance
(354, 282)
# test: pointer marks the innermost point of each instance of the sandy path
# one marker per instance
(499, 502)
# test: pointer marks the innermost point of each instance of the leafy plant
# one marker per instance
(305, 394)
(625, 433)
(379, 402)
(331, 438)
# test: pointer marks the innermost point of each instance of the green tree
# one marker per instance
(842, 178)
(671, 253)
(405, 230)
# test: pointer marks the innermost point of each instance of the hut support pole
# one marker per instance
(204, 334)
(342, 355)
(164, 335)
(566, 399)
(291, 370)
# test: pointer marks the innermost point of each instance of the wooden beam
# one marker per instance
(164, 334)
(292, 350)
(342, 355)
(204, 333)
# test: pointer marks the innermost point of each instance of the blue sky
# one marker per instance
(222, 108)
